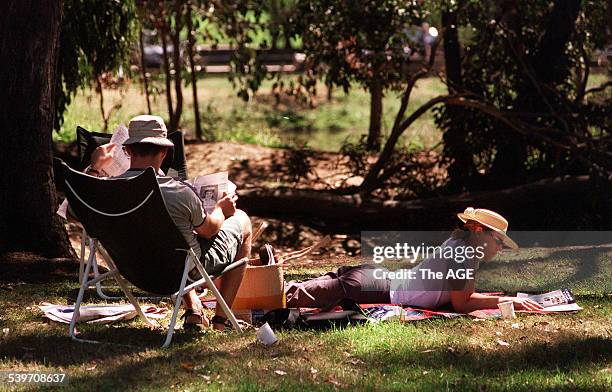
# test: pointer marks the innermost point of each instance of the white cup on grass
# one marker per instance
(265, 335)
(507, 310)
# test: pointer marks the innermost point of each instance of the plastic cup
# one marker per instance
(507, 310)
(266, 336)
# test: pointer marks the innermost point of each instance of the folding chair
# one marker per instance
(138, 239)
(174, 165)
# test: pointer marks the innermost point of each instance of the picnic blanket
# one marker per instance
(99, 314)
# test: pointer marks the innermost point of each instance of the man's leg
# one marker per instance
(244, 249)
(192, 302)
(230, 282)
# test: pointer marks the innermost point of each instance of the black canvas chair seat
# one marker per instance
(129, 219)
(174, 165)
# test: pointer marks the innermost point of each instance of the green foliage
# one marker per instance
(357, 41)
(95, 38)
(299, 164)
(526, 60)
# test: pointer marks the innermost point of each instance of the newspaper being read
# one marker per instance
(211, 187)
(121, 160)
(554, 301)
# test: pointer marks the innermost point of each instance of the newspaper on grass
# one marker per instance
(554, 301)
(211, 188)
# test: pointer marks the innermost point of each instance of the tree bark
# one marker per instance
(376, 110)
(178, 67)
(29, 43)
(143, 71)
(194, 76)
(164, 42)
(461, 169)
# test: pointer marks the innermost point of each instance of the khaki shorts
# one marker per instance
(219, 251)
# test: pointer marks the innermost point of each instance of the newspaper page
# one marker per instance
(121, 160)
(554, 301)
(211, 187)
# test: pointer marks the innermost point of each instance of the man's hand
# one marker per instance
(227, 203)
(103, 155)
(526, 304)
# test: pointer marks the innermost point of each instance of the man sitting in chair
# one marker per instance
(218, 238)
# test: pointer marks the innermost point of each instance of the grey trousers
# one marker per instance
(356, 283)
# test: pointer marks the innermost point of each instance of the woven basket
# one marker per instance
(263, 287)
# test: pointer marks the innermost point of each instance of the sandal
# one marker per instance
(220, 320)
(201, 323)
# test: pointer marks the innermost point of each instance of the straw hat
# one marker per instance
(490, 219)
(148, 129)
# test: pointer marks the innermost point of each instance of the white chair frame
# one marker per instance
(182, 290)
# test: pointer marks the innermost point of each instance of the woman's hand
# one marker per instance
(526, 304)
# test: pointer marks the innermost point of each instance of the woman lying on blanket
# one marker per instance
(483, 230)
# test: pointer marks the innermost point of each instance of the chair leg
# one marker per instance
(77, 305)
(177, 304)
(217, 294)
(123, 285)
(82, 258)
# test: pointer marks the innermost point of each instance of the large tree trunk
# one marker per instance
(194, 76)
(178, 66)
(376, 110)
(29, 41)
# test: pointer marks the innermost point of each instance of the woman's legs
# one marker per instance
(356, 283)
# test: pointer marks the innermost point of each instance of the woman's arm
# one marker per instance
(467, 301)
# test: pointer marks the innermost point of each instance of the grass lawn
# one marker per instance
(551, 352)
(227, 117)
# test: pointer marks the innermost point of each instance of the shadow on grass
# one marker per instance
(573, 352)
(589, 267)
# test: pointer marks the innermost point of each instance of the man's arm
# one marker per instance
(212, 224)
(101, 157)
(226, 207)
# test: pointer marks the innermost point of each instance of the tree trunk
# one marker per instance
(542, 205)
(178, 67)
(461, 169)
(29, 43)
(194, 76)
(143, 71)
(376, 110)
(168, 78)
(101, 92)
(548, 66)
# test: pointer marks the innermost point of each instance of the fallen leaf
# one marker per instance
(280, 372)
(516, 325)
(92, 367)
(313, 370)
(502, 343)
(427, 351)
(188, 366)
(498, 333)
(425, 372)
